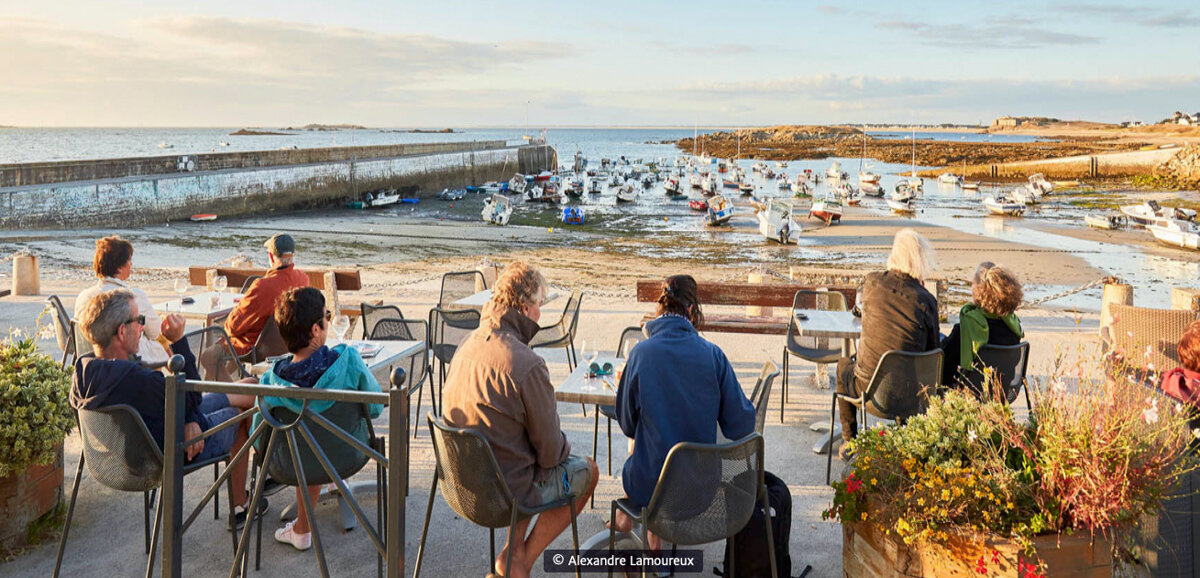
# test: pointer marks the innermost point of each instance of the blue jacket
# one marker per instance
(349, 372)
(676, 387)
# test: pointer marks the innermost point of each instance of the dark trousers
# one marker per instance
(848, 385)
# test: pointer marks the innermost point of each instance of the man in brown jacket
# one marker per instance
(500, 387)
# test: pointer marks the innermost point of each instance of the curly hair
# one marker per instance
(996, 290)
(680, 296)
(520, 284)
(112, 253)
(1189, 347)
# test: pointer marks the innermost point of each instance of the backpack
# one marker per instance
(749, 545)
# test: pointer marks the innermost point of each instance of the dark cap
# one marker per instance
(281, 244)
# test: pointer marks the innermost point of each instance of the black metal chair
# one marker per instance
(897, 390)
(64, 331)
(813, 349)
(249, 281)
(1006, 364)
(373, 314)
(448, 328)
(216, 359)
(630, 336)
(415, 365)
(121, 454)
(705, 493)
(459, 284)
(562, 332)
(761, 397)
(474, 487)
(269, 343)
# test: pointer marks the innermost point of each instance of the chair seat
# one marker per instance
(608, 411)
(815, 355)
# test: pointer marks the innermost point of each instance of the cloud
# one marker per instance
(1016, 33)
(1136, 13)
(830, 9)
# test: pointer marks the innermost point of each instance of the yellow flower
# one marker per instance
(945, 494)
(873, 481)
(1010, 505)
(920, 501)
(864, 516)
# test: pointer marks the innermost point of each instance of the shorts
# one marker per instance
(216, 409)
(570, 478)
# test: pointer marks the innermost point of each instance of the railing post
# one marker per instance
(397, 472)
(172, 486)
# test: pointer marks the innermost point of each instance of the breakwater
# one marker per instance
(164, 188)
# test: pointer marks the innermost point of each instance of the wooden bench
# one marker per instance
(743, 294)
(328, 281)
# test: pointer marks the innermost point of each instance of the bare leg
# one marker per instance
(302, 520)
(239, 469)
(550, 524)
(517, 537)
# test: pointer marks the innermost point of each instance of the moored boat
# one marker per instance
(698, 205)
(746, 188)
(719, 211)
(970, 185)
(835, 171)
(627, 193)
(801, 188)
(450, 194)
(871, 188)
(203, 217)
(1176, 233)
(1106, 221)
(1150, 212)
(1004, 205)
(497, 209)
(828, 209)
(902, 207)
(572, 215)
(776, 224)
(949, 179)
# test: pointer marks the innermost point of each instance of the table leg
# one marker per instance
(823, 444)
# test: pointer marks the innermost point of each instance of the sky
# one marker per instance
(460, 63)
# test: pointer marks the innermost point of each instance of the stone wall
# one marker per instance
(1183, 168)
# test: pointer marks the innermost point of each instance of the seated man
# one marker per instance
(246, 321)
(304, 325)
(500, 387)
(112, 323)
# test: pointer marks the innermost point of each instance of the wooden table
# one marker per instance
(572, 390)
(832, 325)
(478, 300)
(391, 352)
(204, 307)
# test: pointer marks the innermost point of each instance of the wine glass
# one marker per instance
(589, 355)
(341, 324)
(181, 287)
(220, 282)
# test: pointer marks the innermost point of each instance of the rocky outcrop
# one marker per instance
(1183, 169)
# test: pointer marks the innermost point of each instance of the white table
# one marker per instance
(205, 306)
(832, 325)
(391, 352)
(478, 300)
(605, 386)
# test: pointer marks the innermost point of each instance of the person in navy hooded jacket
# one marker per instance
(676, 387)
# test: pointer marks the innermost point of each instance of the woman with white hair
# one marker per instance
(898, 313)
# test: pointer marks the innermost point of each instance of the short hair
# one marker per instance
(911, 254)
(112, 253)
(101, 316)
(1189, 347)
(519, 285)
(997, 291)
(680, 296)
(296, 312)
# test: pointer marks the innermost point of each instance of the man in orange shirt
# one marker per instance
(246, 320)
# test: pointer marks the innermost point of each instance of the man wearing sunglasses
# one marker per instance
(111, 375)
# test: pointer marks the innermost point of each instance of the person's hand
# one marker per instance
(173, 326)
(191, 429)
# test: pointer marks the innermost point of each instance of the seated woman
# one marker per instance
(898, 312)
(303, 323)
(989, 319)
(1183, 382)
(676, 387)
(113, 264)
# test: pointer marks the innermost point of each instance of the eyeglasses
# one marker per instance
(141, 320)
(328, 315)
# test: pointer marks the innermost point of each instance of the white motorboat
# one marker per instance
(871, 188)
(496, 210)
(1004, 205)
(1105, 221)
(835, 171)
(381, 199)
(970, 185)
(719, 211)
(452, 194)
(746, 188)
(902, 207)
(1176, 233)
(775, 222)
(1039, 182)
(165, 145)
(783, 185)
(1026, 194)
(222, 143)
(868, 177)
(801, 188)
(903, 192)
(672, 186)
(1150, 212)
(781, 164)
(518, 184)
(847, 194)
(695, 180)
(627, 193)
(949, 179)
(710, 185)
(828, 209)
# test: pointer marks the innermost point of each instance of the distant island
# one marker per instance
(248, 132)
(432, 131)
(328, 127)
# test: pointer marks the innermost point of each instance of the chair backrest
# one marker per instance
(459, 284)
(118, 449)
(249, 281)
(64, 329)
(897, 389)
(416, 364)
(821, 301)
(270, 342)
(630, 336)
(571, 313)
(373, 314)
(761, 396)
(1007, 362)
(706, 492)
(469, 475)
(346, 459)
(448, 328)
(1143, 337)
(217, 361)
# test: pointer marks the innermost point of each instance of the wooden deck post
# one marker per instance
(25, 275)
(1185, 298)
(1113, 293)
(752, 310)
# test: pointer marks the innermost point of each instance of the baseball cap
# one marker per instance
(280, 244)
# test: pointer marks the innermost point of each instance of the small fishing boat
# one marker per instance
(835, 171)
(381, 199)
(1106, 221)
(949, 179)
(572, 215)
(203, 217)
(497, 209)
(710, 185)
(627, 193)
(222, 144)
(695, 180)
(868, 177)
(518, 184)
(574, 187)
(801, 188)
(1026, 194)
(781, 164)
(1004, 205)
(546, 192)
(729, 183)
(719, 211)
(768, 174)
(1150, 212)
(543, 176)
(1039, 182)
(903, 192)
(783, 185)
(828, 209)
(452, 194)
(776, 224)
(698, 205)
(1176, 233)
(165, 145)
(759, 167)
(903, 207)
(970, 185)
(746, 188)
(594, 187)
(672, 186)
(871, 188)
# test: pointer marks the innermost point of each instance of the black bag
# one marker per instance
(749, 546)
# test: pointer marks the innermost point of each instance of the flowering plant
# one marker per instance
(1095, 455)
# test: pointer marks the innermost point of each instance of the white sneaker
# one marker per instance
(288, 535)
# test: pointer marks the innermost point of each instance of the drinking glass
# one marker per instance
(341, 324)
(220, 282)
(181, 287)
(589, 355)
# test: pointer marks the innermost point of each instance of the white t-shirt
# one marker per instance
(149, 349)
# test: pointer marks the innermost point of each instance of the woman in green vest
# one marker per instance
(990, 318)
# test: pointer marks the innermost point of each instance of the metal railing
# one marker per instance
(174, 444)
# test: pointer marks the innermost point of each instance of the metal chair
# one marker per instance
(1007, 363)
(373, 314)
(562, 332)
(474, 487)
(896, 390)
(269, 343)
(416, 365)
(249, 281)
(761, 397)
(814, 349)
(633, 334)
(448, 328)
(216, 359)
(64, 330)
(705, 493)
(459, 284)
(121, 454)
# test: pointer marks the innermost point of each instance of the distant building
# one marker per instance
(1006, 122)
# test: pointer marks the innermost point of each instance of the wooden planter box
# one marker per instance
(867, 551)
(25, 497)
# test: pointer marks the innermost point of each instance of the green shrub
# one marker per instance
(35, 409)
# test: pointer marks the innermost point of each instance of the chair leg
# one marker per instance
(645, 540)
(420, 394)
(146, 505)
(595, 444)
(62, 542)
(425, 528)
(293, 446)
(829, 454)
(216, 500)
(154, 539)
(574, 534)
(766, 504)
(610, 446)
(612, 534)
(783, 399)
(492, 542)
(1028, 404)
(512, 527)
(229, 493)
